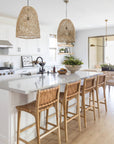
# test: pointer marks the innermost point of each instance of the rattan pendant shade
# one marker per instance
(27, 24)
(66, 32)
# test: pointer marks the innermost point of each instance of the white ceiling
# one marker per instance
(83, 13)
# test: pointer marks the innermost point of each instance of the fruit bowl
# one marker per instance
(62, 71)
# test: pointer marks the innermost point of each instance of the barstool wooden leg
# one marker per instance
(89, 98)
(65, 122)
(81, 105)
(97, 96)
(18, 126)
(58, 124)
(39, 117)
(78, 111)
(84, 110)
(61, 109)
(38, 128)
(93, 104)
(105, 98)
(47, 113)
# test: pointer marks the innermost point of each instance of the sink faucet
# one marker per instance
(41, 64)
(38, 58)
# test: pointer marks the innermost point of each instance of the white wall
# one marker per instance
(28, 47)
(81, 47)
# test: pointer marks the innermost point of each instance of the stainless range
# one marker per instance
(6, 71)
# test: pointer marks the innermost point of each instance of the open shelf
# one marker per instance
(65, 53)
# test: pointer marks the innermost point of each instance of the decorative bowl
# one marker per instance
(62, 71)
(73, 68)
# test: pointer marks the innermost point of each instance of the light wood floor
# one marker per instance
(99, 132)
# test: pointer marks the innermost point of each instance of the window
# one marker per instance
(52, 47)
(96, 51)
(101, 51)
(109, 51)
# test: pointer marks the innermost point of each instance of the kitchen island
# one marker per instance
(23, 90)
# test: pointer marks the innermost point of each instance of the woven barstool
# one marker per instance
(88, 88)
(45, 99)
(72, 90)
(101, 83)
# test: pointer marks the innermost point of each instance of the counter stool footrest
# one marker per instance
(86, 109)
(71, 113)
(102, 102)
(72, 105)
(23, 140)
(50, 116)
(47, 133)
(43, 129)
(24, 129)
(73, 117)
(51, 124)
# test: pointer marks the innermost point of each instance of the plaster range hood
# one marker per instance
(5, 44)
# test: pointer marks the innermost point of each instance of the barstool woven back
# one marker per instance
(72, 89)
(101, 80)
(89, 84)
(46, 98)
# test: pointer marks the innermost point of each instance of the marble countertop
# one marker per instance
(28, 84)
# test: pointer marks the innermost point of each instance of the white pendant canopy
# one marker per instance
(27, 24)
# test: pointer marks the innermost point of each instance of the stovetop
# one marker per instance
(4, 68)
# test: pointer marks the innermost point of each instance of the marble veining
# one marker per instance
(28, 84)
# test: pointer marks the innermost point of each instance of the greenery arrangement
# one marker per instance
(104, 65)
(70, 60)
(107, 67)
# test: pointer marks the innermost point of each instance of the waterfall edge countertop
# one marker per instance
(28, 84)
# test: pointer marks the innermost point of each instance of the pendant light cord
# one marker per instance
(27, 2)
(106, 31)
(28, 18)
(66, 10)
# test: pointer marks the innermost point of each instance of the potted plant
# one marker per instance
(72, 64)
(62, 50)
(105, 67)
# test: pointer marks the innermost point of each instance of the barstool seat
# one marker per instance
(30, 107)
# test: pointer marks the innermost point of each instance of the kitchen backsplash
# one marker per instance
(16, 60)
(17, 64)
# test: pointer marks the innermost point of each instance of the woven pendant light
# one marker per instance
(66, 30)
(27, 23)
